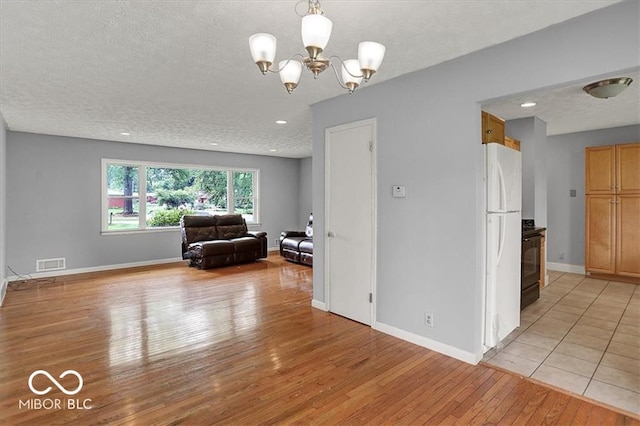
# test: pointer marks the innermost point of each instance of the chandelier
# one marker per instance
(316, 30)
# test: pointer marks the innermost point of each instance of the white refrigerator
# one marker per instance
(503, 178)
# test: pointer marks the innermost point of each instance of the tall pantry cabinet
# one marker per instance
(612, 206)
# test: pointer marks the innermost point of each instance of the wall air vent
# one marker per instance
(43, 265)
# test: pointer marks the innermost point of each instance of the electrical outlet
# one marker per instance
(428, 319)
(276, 242)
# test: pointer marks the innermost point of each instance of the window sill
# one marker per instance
(250, 226)
(141, 231)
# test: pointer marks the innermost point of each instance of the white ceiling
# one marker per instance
(179, 73)
(569, 109)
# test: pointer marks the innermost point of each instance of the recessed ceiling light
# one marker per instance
(213, 144)
(273, 150)
(125, 133)
(281, 121)
(527, 104)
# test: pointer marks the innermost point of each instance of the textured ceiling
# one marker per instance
(179, 73)
(569, 109)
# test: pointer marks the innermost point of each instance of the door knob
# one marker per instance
(331, 234)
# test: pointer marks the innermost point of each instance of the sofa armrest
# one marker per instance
(257, 234)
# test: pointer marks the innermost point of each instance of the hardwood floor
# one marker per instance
(240, 345)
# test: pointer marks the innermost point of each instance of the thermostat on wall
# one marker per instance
(398, 191)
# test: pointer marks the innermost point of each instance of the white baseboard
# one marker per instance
(565, 267)
(273, 249)
(3, 290)
(96, 268)
(319, 305)
(468, 357)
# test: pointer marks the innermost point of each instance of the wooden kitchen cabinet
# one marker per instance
(600, 163)
(612, 210)
(512, 143)
(628, 235)
(628, 168)
(600, 234)
(492, 128)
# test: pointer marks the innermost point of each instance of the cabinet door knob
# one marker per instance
(489, 131)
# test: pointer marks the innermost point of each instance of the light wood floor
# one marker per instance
(241, 345)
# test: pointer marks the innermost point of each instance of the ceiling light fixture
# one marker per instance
(607, 88)
(125, 133)
(316, 30)
(213, 144)
(528, 104)
(281, 121)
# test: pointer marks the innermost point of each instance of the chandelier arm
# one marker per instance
(288, 60)
(345, 68)
(335, 71)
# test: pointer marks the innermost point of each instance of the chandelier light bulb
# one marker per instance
(370, 56)
(316, 31)
(351, 68)
(263, 50)
(290, 74)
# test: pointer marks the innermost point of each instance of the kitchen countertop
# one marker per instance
(527, 232)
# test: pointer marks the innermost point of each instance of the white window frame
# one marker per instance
(142, 192)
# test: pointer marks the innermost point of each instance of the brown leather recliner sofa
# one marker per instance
(214, 241)
(297, 246)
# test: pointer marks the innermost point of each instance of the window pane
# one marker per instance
(212, 191)
(244, 206)
(122, 213)
(170, 195)
(122, 180)
(122, 197)
(243, 194)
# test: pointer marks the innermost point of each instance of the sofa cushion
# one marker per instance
(292, 243)
(212, 248)
(195, 234)
(230, 226)
(198, 228)
(231, 231)
(246, 244)
(306, 246)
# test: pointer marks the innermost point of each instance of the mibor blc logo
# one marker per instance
(55, 403)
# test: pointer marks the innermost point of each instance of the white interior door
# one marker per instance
(350, 219)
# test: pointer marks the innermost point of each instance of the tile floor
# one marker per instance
(582, 335)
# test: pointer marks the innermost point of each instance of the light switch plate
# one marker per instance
(398, 191)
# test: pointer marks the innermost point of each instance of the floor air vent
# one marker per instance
(43, 265)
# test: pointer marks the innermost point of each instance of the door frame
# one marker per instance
(372, 122)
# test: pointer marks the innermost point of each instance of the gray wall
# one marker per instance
(430, 244)
(532, 134)
(53, 200)
(3, 202)
(565, 241)
(304, 196)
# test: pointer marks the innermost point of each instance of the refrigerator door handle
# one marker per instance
(503, 189)
(503, 232)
